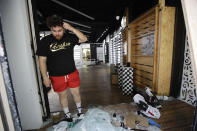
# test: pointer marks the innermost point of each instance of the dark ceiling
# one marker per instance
(104, 13)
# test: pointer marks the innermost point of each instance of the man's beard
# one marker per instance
(58, 37)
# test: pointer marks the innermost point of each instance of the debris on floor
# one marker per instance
(62, 126)
(120, 117)
(119, 109)
(131, 120)
(96, 120)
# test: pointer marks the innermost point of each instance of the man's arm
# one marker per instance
(43, 69)
(80, 35)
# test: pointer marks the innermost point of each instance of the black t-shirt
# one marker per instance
(59, 53)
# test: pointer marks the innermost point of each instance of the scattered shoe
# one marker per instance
(151, 112)
(137, 98)
(164, 98)
(153, 101)
(146, 109)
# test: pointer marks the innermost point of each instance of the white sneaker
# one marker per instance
(137, 98)
(151, 112)
(145, 108)
(148, 91)
(80, 115)
(153, 100)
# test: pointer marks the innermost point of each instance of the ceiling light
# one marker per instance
(117, 17)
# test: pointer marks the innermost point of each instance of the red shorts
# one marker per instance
(60, 83)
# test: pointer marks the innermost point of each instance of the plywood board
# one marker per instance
(165, 50)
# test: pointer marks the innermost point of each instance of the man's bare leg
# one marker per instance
(77, 98)
(64, 102)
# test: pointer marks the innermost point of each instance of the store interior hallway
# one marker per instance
(96, 89)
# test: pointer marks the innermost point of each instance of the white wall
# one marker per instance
(99, 52)
(17, 40)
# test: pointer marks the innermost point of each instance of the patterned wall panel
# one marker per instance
(115, 49)
(188, 87)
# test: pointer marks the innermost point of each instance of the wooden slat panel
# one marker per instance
(146, 26)
(143, 65)
(138, 52)
(140, 19)
(143, 60)
(143, 80)
(138, 47)
(138, 41)
(144, 74)
(143, 68)
(141, 84)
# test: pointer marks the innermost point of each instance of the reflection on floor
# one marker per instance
(95, 90)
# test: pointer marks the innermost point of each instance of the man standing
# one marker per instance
(55, 53)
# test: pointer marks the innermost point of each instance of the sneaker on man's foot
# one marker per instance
(80, 115)
(67, 118)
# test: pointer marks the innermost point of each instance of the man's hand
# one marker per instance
(81, 36)
(47, 81)
(67, 26)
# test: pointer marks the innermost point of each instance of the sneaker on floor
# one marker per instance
(146, 109)
(153, 101)
(137, 98)
(143, 106)
(151, 112)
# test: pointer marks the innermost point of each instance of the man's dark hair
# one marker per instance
(54, 20)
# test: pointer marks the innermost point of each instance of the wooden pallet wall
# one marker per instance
(142, 48)
(151, 54)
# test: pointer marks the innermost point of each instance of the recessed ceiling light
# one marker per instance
(117, 17)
